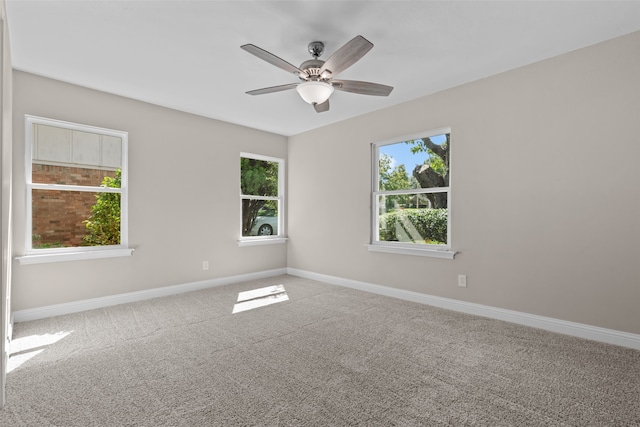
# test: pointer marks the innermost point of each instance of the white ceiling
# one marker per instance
(186, 54)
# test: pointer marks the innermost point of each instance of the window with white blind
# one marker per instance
(76, 181)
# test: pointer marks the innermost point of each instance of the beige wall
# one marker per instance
(183, 196)
(545, 199)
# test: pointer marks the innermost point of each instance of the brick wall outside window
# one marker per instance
(58, 215)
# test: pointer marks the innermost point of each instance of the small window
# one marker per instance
(76, 178)
(261, 197)
(411, 196)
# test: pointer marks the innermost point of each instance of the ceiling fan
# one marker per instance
(317, 76)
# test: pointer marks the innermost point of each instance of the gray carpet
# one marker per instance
(328, 356)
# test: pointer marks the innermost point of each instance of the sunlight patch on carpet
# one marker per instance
(25, 348)
(261, 297)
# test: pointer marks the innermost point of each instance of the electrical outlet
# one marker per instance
(205, 265)
(462, 280)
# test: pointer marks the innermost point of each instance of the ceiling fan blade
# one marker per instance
(272, 89)
(272, 59)
(346, 56)
(320, 108)
(363, 88)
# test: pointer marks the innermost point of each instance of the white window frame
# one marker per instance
(376, 245)
(36, 256)
(265, 240)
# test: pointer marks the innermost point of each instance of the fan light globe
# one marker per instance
(314, 92)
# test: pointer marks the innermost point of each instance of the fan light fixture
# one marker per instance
(314, 92)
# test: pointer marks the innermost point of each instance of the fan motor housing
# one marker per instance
(312, 67)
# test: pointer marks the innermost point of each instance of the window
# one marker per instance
(76, 180)
(261, 199)
(411, 195)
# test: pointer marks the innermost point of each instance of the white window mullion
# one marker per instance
(246, 197)
(64, 187)
(412, 191)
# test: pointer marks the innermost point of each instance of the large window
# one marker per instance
(76, 180)
(411, 194)
(261, 197)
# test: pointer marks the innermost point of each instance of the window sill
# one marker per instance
(433, 253)
(262, 241)
(72, 256)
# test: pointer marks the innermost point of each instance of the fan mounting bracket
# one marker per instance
(316, 49)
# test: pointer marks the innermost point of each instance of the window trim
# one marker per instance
(32, 255)
(265, 240)
(376, 245)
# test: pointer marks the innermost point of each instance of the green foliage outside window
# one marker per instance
(431, 225)
(394, 179)
(103, 226)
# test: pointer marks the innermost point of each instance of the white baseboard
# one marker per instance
(90, 304)
(580, 330)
